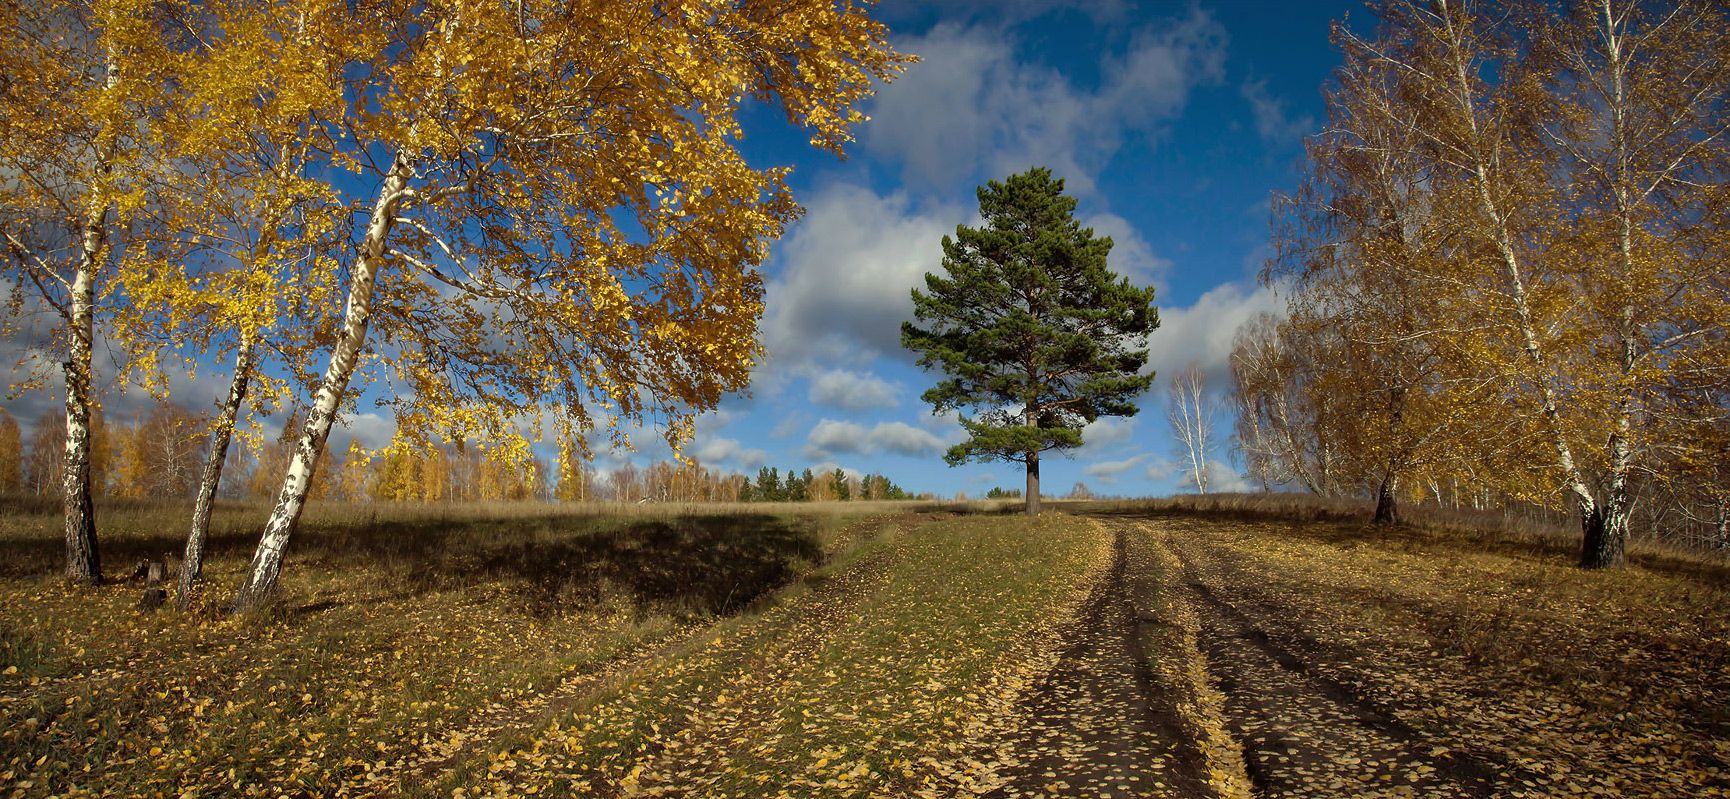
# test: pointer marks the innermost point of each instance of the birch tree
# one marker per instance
(1285, 418)
(156, 456)
(236, 261)
(1191, 414)
(1642, 123)
(81, 89)
(555, 214)
(1363, 251)
(11, 455)
(576, 477)
(1570, 174)
(1521, 207)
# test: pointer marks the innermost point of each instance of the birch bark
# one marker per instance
(266, 564)
(192, 563)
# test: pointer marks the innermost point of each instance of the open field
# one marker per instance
(852, 650)
(408, 649)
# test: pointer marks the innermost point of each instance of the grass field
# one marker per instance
(850, 649)
(411, 647)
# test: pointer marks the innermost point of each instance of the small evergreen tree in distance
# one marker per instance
(1035, 332)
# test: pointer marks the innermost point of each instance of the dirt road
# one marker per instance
(1100, 723)
(1281, 660)
(1302, 732)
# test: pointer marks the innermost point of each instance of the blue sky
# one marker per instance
(1170, 122)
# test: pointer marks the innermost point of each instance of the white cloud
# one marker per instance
(788, 425)
(1271, 120)
(945, 422)
(1221, 478)
(1131, 255)
(970, 105)
(904, 439)
(854, 391)
(846, 276)
(714, 420)
(1104, 433)
(1160, 469)
(1204, 331)
(830, 437)
(729, 451)
(895, 11)
(1152, 80)
(374, 430)
(1108, 471)
(830, 466)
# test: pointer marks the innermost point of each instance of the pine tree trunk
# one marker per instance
(291, 500)
(83, 563)
(1387, 501)
(1032, 494)
(192, 564)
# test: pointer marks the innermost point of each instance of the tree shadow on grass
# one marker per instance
(692, 564)
(686, 564)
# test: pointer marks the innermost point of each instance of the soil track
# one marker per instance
(1302, 732)
(1099, 723)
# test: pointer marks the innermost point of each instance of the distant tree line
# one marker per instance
(158, 453)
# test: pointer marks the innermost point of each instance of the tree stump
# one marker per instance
(152, 599)
(149, 572)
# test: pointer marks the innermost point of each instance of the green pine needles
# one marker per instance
(1036, 334)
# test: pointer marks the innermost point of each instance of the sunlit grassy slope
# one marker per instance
(427, 651)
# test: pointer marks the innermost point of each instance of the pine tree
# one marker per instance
(769, 484)
(1032, 327)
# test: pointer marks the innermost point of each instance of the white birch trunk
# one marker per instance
(1606, 536)
(1514, 272)
(192, 564)
(1191, 422)
(291, 500)
(83, 563)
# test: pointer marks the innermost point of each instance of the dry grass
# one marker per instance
(392, 623)
(1548, 536)
(410, 645)
(890, 676)
(133, 530)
